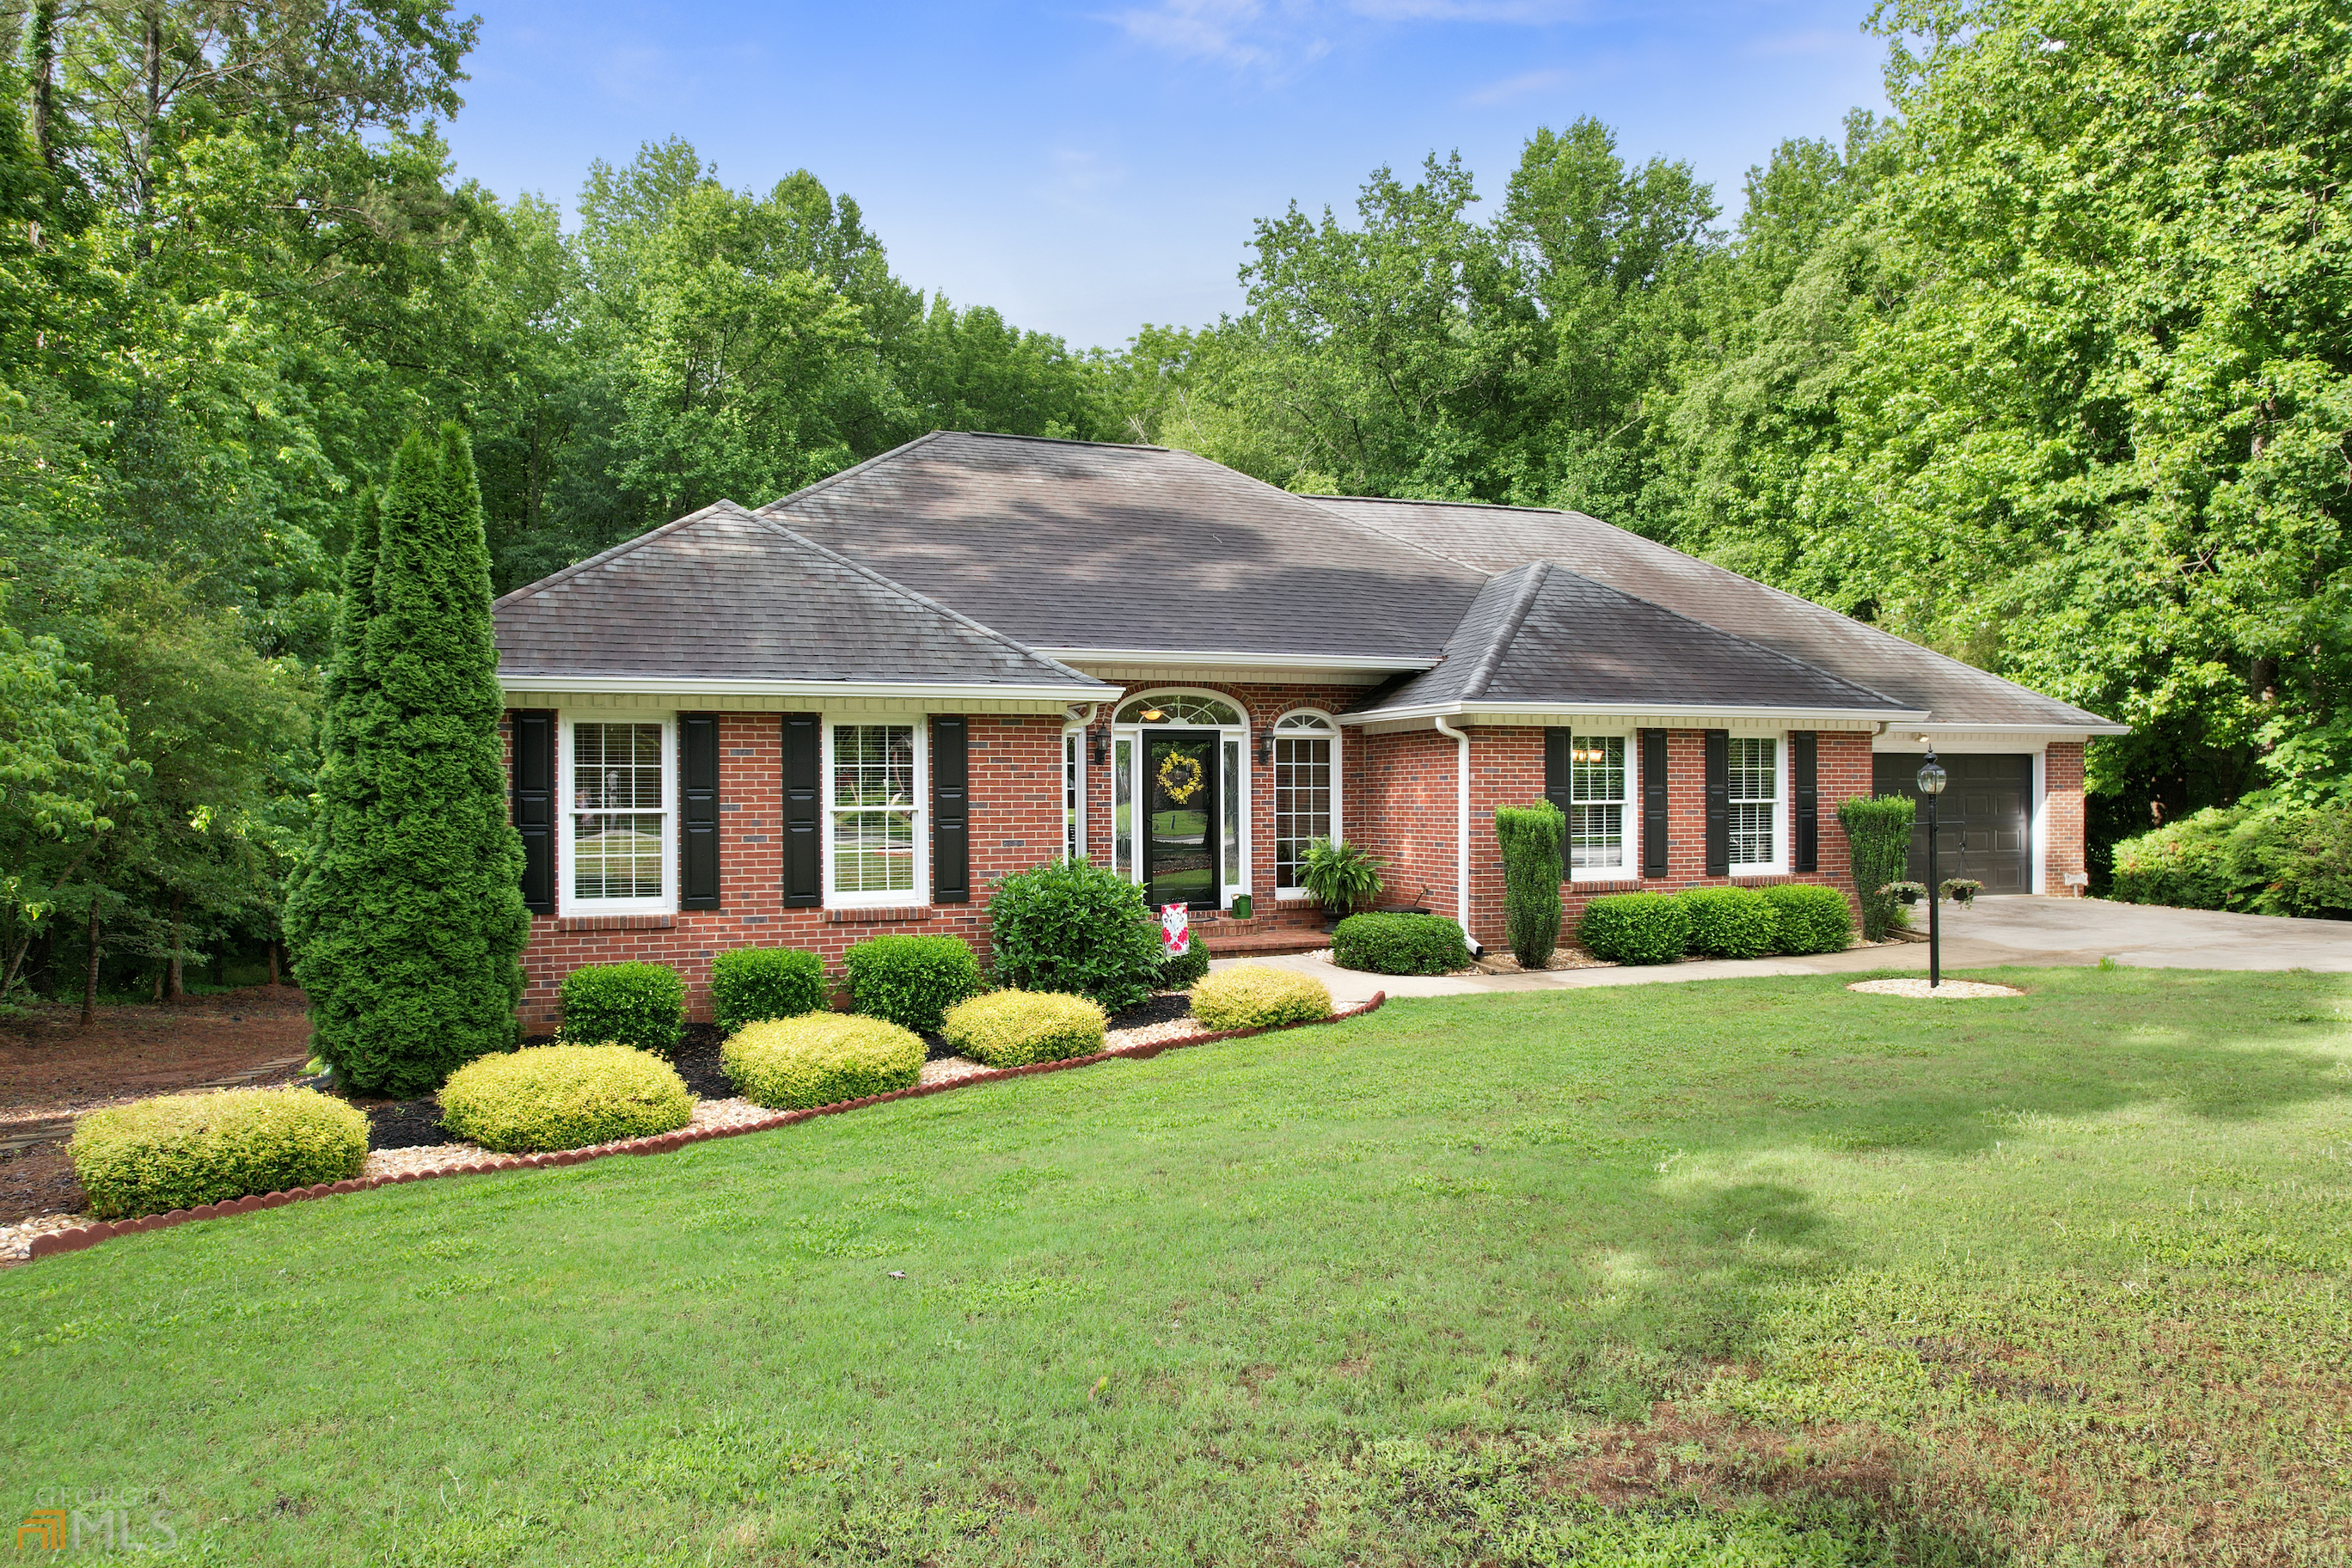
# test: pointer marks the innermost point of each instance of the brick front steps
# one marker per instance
(1234, 939)
(89, 1236)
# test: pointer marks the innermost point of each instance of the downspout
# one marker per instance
(1462, 829)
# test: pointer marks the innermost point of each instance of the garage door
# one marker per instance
(1986, 815)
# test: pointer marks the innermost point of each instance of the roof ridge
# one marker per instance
(717, 508)
(792, 497)
(1419, 500)
(924, 600)
(1059, 440)
(1537, 572)
(1726, 632)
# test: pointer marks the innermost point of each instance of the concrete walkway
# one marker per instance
(1994, 933)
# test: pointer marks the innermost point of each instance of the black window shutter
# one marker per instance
(1719, 803)
(1804, 783)
(1558, 785)
(804, 843)
(697, 746)
(534, 805)
(1653, 802)
(951, 811)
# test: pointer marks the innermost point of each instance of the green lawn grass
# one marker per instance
(1751, 1272)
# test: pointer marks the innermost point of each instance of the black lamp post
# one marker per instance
(1931, 785)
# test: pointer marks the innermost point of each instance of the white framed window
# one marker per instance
(1602, 827)
(876, 851)
(1073, 794)
(618, 778)
(1754, 801)
(1305, 792)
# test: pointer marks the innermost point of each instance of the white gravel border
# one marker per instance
(1949, 991)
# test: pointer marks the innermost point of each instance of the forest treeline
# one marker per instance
(2046, 370)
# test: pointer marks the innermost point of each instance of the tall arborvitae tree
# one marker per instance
(332, 873)
(422, 953)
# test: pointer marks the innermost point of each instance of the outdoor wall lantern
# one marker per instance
(1102, 745)
(1265, 747)
(1931, 785)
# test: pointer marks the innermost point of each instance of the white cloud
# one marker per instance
(1519, 86)
(1279, 34)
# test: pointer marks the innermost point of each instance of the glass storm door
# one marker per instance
(1181, 859)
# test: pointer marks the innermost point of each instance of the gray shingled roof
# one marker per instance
(1067, 545)
(1542, 634)
(1500, 538)
(723, 595)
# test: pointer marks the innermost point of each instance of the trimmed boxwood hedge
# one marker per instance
(564, 1097)
(1014, 1028)
(1635, 927)
(755, 983)
(911, 981)
(1729, 922)
(1399, 944)
(1078, 928)
(639, 1004)
(1184, 970)
(1257, 996)
(1809, 919)
(178, 1151)
(821, 1058)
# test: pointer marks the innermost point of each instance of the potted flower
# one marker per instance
(1340, 875)
(1962, 891)
(1905, 893)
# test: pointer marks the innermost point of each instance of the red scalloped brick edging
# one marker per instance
(75, 1240)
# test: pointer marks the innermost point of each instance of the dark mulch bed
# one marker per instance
(417, 1123)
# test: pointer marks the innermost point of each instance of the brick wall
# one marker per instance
(1507, 769)
(1403, 812)
(1016, 816)
(2062, 814)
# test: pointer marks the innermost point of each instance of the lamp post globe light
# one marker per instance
(1931, 785)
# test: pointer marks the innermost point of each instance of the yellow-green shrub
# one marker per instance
(820, 1058)
(564, 1097)
(1253, 997)
(1014, 1028)
(178, 1151)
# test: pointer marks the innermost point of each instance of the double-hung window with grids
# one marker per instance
(619, 776)
(1752, 797)
(873, 814)
(1601, 836)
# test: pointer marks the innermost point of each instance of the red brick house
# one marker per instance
(845, 712)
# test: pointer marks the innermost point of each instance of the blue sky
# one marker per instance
(1088, 167)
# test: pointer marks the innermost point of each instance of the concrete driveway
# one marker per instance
(1994, 933)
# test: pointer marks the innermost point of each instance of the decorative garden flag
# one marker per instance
(1175, 931)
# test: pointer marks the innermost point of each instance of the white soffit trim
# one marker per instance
(692, 685)
(1519, 712)
(1188, 659)
(1962, 738)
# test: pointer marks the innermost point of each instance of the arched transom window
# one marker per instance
(1305, 789)
(1179, 707)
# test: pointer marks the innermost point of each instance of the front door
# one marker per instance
(1179, 833)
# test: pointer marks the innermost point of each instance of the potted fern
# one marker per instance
(1340, 877)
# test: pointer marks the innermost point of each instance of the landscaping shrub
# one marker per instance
(1531, 836)
(412, 922)
(1635, 927)
(1074, 927)
(1729, 923)
(820, 1058)
(1339, 874)
(1014, 1028)
(755, 983)
(2262, 855)
(1809, 919)
(178, 1151)
(1183, 971)
(564, 1097)
(1878, 834)
(1400, 944)
(1254, 996)
(911, 981)
(637, 1005)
